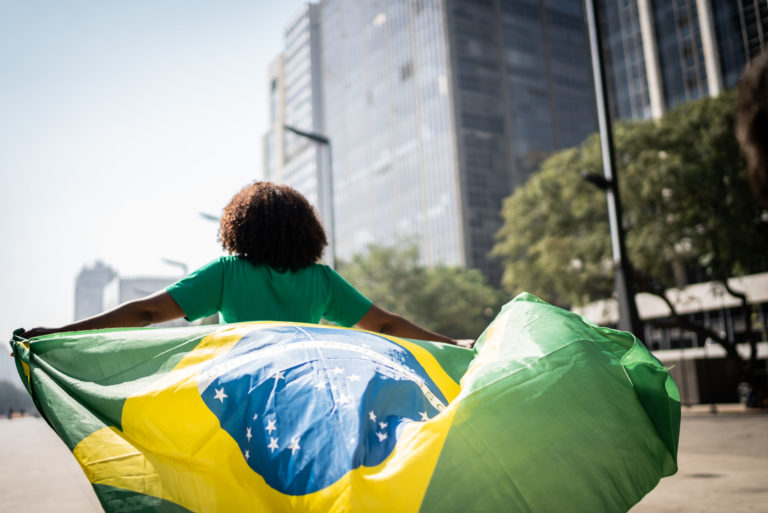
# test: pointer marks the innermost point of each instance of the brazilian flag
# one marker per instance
(548, 413)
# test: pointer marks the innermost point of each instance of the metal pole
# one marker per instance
(629, 320)
(331, 206)
(326, 183)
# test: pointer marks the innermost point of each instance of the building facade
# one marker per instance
(272, 142)
(295, 100)
(89, 289)
(99, 288)
(387, 95)
(521, 89)
(661, 54)
(436, 110)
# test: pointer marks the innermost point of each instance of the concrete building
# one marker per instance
(99, 288)
(660, 54)
(121, 289)
(89, 289)
(436, 110)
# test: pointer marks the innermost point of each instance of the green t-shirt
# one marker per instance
(242, 292)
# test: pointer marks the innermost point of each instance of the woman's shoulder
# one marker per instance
(234, 261)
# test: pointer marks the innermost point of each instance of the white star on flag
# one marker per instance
(320, 385)
(382, 436)
(383, 425)
(372, 416)
(220, 395)
(247, 454)
(424, 415)
(278, 375)
(270, 426)
(272, 443)
(338, 370)
(256, 416)
(343, 399)
(294, 444)
(248, 434)
(354, 377)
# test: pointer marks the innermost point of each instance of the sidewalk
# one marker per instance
(723, 461)
(38, 473)
(723, 464)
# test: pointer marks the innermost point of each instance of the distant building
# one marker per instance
(99, 288)
(272, 141)
(706, 303)
(295, 99)
(120, 290)
(436, 111)
(89, 289)
(660, 54)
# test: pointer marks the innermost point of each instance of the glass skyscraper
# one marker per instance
(521, 89)
(436, 110)
(386, 91)
(295, 99)
(663, 53)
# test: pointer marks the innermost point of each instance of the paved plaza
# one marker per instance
(723, 465)
(723, 468)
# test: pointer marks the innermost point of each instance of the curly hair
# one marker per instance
(752, 123)
(272, 224)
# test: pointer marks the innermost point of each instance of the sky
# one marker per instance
(121, 121)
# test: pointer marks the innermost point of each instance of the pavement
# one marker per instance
(723, 460)
(722, 464)
(38, 473)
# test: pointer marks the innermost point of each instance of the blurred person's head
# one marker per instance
(272, 224)
(752, 123)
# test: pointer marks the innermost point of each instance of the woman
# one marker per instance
(275, 240)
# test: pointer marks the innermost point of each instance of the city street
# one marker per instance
(723, 468)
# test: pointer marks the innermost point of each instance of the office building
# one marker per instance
(99, 288)
(436, 110)
(522, 89)
(272, 142)
(660, 54)
(89, 289)
(295, 100)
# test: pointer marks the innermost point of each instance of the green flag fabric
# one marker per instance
(548, 413)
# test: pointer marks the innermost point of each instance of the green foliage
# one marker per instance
(686, 201)
(450, 300)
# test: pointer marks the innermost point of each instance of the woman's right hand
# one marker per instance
(37, 332)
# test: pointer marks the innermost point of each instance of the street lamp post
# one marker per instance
(629, 319)
(325, 183)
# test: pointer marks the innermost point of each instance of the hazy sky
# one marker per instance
(119, 122)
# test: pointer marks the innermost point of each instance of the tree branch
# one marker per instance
(747, 312)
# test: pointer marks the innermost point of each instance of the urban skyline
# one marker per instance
(438, 109)
(53, 277)
(99, 288)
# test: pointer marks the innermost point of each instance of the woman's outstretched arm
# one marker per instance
(158, 307)
(389, 323)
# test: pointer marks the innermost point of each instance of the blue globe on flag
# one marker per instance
(307, 405)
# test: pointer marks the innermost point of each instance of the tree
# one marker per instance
(687, 206)
(448, 299)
